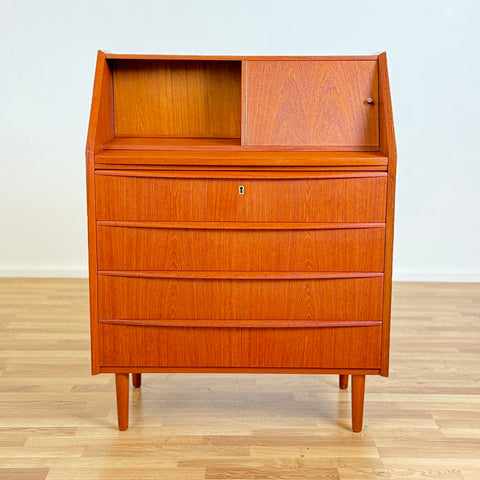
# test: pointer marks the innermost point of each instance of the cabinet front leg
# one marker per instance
(358, 396)
(343, 382)
(137, 380)
(121, 384)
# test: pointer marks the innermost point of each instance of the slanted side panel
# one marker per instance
(101, 126)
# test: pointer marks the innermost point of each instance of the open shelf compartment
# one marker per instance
(176, 102)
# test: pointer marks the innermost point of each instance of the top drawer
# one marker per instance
(240, 196)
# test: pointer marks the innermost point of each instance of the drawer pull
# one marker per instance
(241, 189)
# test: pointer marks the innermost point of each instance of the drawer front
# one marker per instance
(325, 199)
(140, 298)
(347, 347)
(321, 250)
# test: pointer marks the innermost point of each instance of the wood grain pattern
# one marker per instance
(356, 347)
(237, 275)
(101, 125)
(243, 100)
(388, 145)
(254, 370)
(246, 142)
(131, 56)
(343, 382)
(101, 129)
(121, 385)
(241, 225)
(183, 199)
(222, 323)
(387, 131)
(177, 98)
(358, 395)
(92, 260)
(137, 380)
(211, 144)
(59, 422)
(169, 143)
(166, 298)
(283, 174)
(328, 250)
(312, 103)
(241, 158)
(236, 168)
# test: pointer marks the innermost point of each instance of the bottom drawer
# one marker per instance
(138, 346)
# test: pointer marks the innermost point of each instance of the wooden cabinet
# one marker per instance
(240, 217)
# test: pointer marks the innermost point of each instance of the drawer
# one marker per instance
(276, 197)
(241, 248)
(347, 347)
(239, 296)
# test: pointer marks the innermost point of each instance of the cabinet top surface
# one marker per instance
(130, 56)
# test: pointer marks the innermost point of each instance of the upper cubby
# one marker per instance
(177, 99)
(173, 103)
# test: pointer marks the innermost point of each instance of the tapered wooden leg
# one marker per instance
(343, 382)
(121, 384)
(137, 380)
(358, 396)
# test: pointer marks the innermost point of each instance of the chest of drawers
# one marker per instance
(240, 217)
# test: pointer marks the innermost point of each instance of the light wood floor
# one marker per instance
(59, 422)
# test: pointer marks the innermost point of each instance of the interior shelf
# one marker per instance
(166, 143)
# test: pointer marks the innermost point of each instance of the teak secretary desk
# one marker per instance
(240, 217)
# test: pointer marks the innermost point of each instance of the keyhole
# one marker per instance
(241, 189)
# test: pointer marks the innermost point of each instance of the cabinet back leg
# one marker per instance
(358, 396)
(343, 382)
(121, 384)
(137, 380)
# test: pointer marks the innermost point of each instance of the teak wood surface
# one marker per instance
(177, 98)
(252, 158)
(289, 103)
(351, 299)
(57, 422)
(240, 217)
(250, 348)
(150, 198)
(220, 248)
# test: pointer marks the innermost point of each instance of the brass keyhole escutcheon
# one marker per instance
(241, 189)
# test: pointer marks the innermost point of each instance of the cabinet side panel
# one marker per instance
(387, 289)
(315, 103)
(101, 126)
(388, 146)
(348, 347)
(92, 261)
(387, 131)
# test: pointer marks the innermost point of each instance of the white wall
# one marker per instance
(47, 59)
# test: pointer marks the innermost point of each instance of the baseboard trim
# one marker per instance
(44, 272)
(460, 277)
